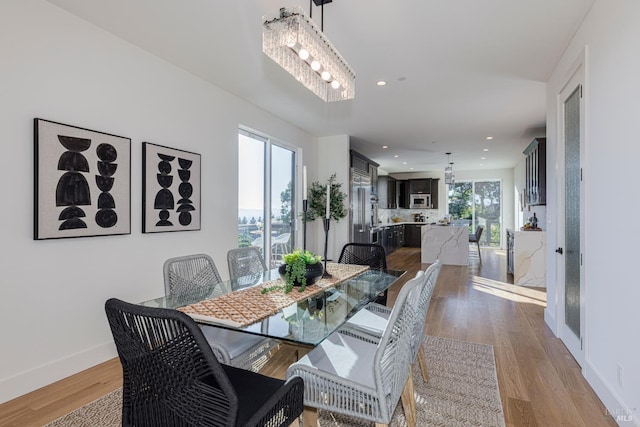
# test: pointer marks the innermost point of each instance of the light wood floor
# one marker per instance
(540, 383)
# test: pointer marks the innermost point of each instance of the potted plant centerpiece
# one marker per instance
(300, 268)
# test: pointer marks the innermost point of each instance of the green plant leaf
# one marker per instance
(317, 200)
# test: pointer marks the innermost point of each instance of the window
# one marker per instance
(480, 202)
(266, 189)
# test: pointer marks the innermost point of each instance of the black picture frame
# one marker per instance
(171, 189)
(82, 182)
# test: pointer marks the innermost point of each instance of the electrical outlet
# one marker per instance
(620, 375)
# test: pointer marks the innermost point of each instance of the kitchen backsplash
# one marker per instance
(433, 215)
(406, 215)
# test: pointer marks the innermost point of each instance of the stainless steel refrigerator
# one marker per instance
(364, 207)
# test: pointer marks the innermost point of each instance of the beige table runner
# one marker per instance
(247, 306)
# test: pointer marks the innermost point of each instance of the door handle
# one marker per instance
(362, 203)
(559, 250)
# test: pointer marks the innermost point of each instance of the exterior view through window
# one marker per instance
(266, 183)
(479, 202)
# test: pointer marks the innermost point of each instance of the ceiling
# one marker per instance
(457, 71)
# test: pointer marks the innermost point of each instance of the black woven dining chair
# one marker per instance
(475, 238)
(371, 254)
(172, 378)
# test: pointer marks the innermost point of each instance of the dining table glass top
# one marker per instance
(307, 321)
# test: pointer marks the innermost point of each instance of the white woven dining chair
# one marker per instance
(246, 266)
(280, 245)
(190, 274)
(373, 319)
(357, 377)
(197, 275)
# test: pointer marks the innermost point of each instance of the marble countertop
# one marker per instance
(389, 224)
(449, 244)
(529, 258)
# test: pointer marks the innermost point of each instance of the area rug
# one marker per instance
(462, 391)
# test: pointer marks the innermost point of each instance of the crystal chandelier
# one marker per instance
(449, 177)
(295, 42)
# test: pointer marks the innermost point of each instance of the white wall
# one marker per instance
(58, 67)
(519, 183)
(611, 148)
(333, 157)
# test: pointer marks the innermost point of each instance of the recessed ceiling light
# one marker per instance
(486, 149)
(483, 158)
(404, 163)
(411, 169)
(381, 83)
(385, 146)
(396, 156)
(489, 137)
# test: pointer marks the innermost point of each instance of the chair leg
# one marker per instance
(423, 365)
(409, 401)
(479, 256)
(310, 417)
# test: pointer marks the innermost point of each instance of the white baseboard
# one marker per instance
(614, 404)
(33, 379)
(550, 320)
(620, 412)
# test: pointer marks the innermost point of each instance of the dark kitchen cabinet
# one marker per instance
(510, 235)
(387, 196)
(384, 239)
(403, 194)
(412, 235)
(366, 166)
(395, 238)
(536, 172)
(363, 163)
(389, 240)
(420, 186)
(434, 193)
(400, 236)
(359, 162)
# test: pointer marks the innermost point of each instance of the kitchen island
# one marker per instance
(448, 243)
(530, 264)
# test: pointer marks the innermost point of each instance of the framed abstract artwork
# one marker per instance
(82, 182)
(170, 189)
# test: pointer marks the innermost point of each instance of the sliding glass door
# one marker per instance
(282, 206)
(480, 203)
(266, 189)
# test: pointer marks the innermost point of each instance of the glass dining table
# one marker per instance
(306, 322)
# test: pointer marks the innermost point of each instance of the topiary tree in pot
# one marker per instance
(317, 201)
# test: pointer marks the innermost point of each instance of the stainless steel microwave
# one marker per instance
(420, 201)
